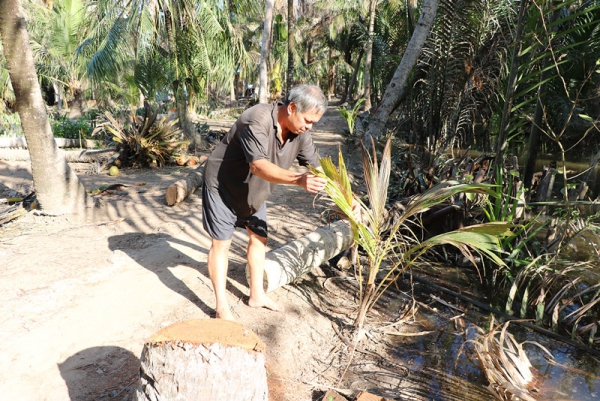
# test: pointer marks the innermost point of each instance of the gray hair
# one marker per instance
(307, 98)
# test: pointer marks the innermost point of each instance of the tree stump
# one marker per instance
(181, 189)
(203, 359)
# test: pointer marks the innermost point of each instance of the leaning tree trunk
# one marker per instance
(57, 188)
(396, 90)
(355, 75)
(263, 94)
(203, 359)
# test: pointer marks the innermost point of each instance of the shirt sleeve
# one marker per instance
(254, 141)
(307, 154)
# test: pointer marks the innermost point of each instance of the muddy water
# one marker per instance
(438, 370)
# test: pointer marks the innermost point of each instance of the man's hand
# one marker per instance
(312, 183)
(270, 172)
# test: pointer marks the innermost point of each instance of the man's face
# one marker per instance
(299, 123)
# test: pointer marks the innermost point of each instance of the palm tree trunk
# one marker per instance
(331, 74)
(396, 90)
(289, 82)
(181, 103)
(348, 60)
(75, 109)
(232, 89)
(182, 111)
(369, 55)
(355, 76)
(263, 92)
(58, 95)
(57, 188)
(411, 7)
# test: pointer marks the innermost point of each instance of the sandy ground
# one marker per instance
(78, 301)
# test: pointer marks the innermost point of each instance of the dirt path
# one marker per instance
(78, 301)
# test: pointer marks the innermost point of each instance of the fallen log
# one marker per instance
(203, 359)
(183, 188)
(294, 259)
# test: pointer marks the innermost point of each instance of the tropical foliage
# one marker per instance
(144, 141)
(397, 241)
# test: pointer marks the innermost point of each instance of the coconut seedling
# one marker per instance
(396, 244)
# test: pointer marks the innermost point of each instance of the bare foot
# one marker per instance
(263, 301)
(225, 314)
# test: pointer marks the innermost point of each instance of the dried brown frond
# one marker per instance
(505, 364)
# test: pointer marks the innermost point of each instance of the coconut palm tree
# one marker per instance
(57, 188)
(56, 34)
(265, 47)
(195, 42)
(398, 84)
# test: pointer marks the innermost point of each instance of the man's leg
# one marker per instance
(217, 270)
(256, 263)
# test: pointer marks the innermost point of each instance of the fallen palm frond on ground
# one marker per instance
(505, 364)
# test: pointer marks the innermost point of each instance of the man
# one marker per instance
(242, 172)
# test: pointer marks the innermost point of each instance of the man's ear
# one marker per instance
(291, 108)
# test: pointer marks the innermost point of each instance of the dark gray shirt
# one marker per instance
(253, 137)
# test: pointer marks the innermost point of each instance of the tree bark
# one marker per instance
(289, 82)
(330, 74)
(263, 90)
(369, 55)
(181, 189)
(296, 258)
(203, 359)
(232, 97)
(355, 75)
(411, 7)
(75, 108)
(57, 188)
(396, 90)
(185, 121)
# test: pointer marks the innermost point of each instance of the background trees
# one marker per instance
(193, 55)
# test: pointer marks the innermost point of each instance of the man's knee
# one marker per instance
(220, 246)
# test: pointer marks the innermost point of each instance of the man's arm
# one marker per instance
(268, 171)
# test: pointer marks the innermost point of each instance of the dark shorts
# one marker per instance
(220, 221)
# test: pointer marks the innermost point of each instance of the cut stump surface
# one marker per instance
(204, 359)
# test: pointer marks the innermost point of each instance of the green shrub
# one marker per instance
(63, 127)
(10, 125)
